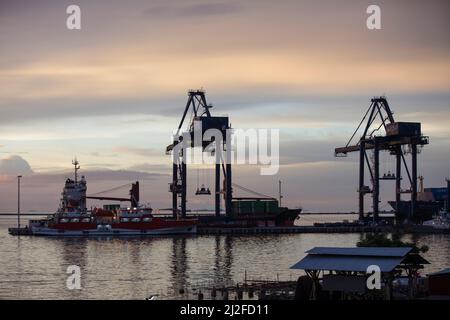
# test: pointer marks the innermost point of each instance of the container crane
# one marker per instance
(397, 135)
(200, 113)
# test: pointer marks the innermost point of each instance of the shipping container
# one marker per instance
(439, 194)
(255, 206)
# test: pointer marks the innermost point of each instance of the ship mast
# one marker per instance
(77, 167)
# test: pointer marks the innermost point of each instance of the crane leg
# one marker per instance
(217, 194)
(376, 180)
(361, 180)
(414, 180)
(398, 182)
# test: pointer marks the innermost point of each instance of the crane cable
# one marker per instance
(353, 135)
(112, 189)
(252, 191)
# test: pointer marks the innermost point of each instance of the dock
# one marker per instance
(317, 228)
(294, 229)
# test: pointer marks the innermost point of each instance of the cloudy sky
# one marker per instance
(112, 92)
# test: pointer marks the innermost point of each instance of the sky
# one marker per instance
(111, 93)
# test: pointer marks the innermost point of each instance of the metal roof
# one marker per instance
(346, 263)
(442, 272)
(353, 259)
(362, 251)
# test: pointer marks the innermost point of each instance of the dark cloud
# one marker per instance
(95, 175)
(147, 167)
(63, 108)
(339, 108)
(138, 151)
(181, 10)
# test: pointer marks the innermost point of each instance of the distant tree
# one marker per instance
(382, 240)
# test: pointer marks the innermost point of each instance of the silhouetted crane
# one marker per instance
(397, 134)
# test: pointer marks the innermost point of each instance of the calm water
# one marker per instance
(117, 268)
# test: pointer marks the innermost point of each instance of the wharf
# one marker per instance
(294, 229)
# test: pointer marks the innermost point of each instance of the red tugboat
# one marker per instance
(73, 218)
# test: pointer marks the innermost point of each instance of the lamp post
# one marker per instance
(18, 204)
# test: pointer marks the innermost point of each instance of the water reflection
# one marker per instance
(223, 255)
(134, 268)
(73, 251)
(179, 267)
(190, 273)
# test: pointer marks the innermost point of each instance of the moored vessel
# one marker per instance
(73, 219)
(440, 221)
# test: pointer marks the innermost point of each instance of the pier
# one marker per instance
(295, 229)
(319, 228)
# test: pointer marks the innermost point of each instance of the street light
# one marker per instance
(18, 204)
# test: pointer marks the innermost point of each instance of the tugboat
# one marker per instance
(73, 219)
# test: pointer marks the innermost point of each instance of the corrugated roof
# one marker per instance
(346, 263)
(362, 251)
(442, 272)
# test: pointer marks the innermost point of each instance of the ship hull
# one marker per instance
(285, 218)
(153, 227)
(424, 209)
(45, 231)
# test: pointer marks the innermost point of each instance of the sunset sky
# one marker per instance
(111, 93)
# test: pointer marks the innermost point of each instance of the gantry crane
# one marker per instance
(200, 113)
(397, 135)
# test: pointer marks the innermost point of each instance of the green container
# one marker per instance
(242, 207)
(259, 207)
(272, 206)
(249, 207)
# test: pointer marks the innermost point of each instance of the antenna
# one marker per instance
(77, 167)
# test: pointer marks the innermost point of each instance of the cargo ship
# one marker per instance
(73, 219)
(251, 212)
(424, 209)
(430, 203)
